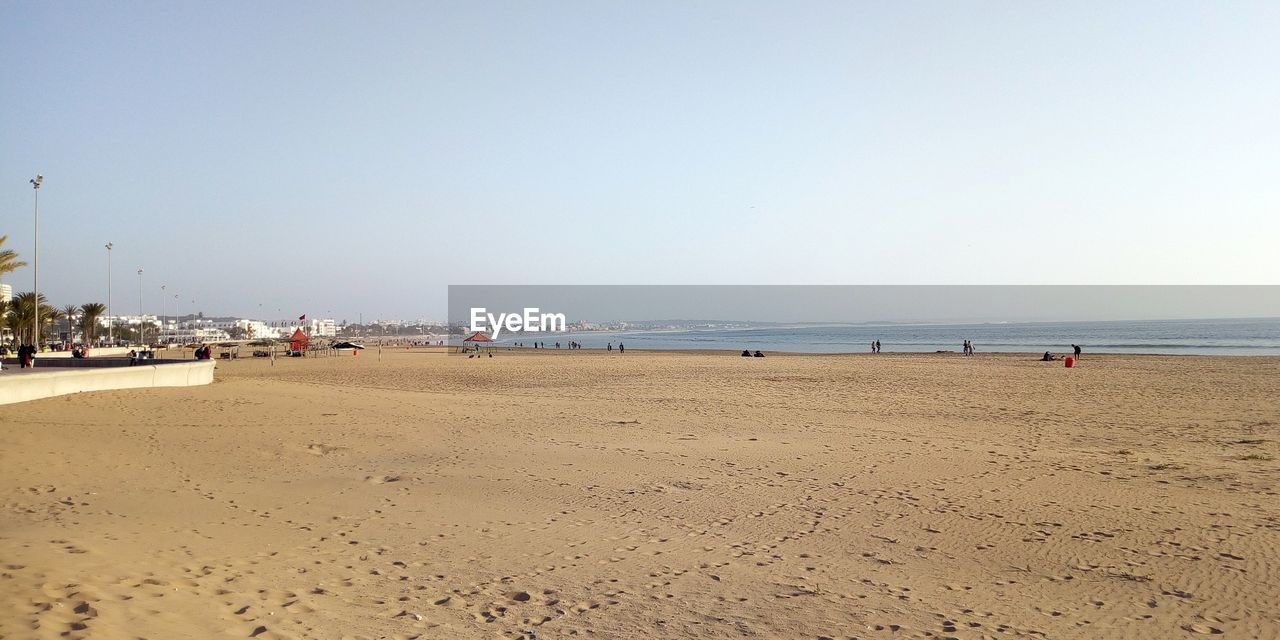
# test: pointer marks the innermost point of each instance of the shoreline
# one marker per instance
(768, 353)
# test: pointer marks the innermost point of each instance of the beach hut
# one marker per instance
(298, 341)
(475, 340)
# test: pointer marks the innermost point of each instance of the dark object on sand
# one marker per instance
(1048, 357)
(746, 353)
(759, 355)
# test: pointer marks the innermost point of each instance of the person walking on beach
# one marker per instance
(610, 347)
(877, 346)
(622, 348)
(1076, 349)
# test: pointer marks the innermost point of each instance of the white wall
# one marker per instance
(46, 384)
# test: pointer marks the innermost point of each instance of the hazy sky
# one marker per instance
(339, 158)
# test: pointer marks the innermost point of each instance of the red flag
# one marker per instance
(302, 317)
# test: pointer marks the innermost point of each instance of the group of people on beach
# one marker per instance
(543, 345)
(968, 347)
(1049, 357)
(621, 348)
(875, 346)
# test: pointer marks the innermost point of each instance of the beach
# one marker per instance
(553, 494)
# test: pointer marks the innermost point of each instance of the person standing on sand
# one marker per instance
(873, 346)
(622, 348)
(1076, 348)
(877, 346)
(610, 347)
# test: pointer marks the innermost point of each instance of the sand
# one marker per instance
(652, 496)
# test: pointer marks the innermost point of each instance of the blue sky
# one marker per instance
(346, 158)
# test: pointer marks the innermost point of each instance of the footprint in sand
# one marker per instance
(1202, 629)
(450, 602)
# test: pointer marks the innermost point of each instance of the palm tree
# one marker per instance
(9, 261)
(22, 313)
(49, 320)
(68, 313)
(90, 312)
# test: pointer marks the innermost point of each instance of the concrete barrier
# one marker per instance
(96, 352)
(75, 363)
(33, 384)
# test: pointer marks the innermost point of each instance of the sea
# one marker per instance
(1235, 337)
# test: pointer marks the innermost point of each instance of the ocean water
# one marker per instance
(1254, 336)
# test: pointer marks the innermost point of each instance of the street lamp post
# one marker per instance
(111, 338)
(163, 317)
(141, 335)
(35, 266)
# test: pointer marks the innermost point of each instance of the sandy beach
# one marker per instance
(651, 495)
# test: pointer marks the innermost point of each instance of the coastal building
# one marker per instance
(193, 331)
(314, 327)
(131, 321)
(6, 293)
(200, 329)
(194, 335)
(245, 328)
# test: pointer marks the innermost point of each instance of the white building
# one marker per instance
(223, 329)
(130, 321)
(314, 327)
(6, 293)
(193, 331)
(250, 329)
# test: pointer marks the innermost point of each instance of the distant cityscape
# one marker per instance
(197, 328)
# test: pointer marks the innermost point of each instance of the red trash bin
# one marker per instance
(1069, 362)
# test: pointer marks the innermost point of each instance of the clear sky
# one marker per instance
(346, 158)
